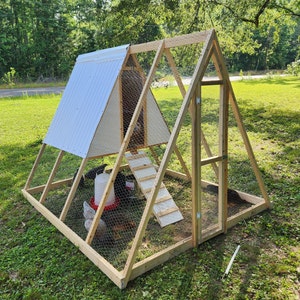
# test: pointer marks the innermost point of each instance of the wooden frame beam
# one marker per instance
(187, 39)
(52, 175)
(218, 57)
(73, 190)
(212, 82)
(34, 167)
(53, 185)
(195, 110)
(223, 152)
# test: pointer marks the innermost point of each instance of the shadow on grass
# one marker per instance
(15, 165)
(276, 125)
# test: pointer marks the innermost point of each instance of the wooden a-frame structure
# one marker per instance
(191, 104)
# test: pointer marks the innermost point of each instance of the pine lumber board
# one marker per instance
(52, 175)
(167, 211)
(247, 213)
(54, 185)
(149, 205)
(35, 165)
(183, 40)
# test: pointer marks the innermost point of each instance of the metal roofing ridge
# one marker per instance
(108, 54)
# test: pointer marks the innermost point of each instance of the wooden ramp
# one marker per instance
(164, 209)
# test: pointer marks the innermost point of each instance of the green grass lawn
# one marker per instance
(37, 262)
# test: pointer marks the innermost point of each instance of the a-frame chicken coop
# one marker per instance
(133, 181)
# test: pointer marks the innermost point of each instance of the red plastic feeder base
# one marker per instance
(106, 207)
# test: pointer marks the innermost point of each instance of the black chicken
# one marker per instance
(91, 174)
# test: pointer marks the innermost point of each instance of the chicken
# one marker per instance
(91, 174)
(81, 182)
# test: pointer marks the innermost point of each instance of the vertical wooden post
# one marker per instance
(223, 152)
(223, 135)
(195, 110)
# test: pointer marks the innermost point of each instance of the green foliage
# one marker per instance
(293, 68)
(43, 38)
(35, 38)
(9, 77)
(37, 262)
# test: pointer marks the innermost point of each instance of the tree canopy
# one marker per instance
(43, 37)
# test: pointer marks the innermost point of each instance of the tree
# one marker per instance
(253, 35)
(35, 37)
(51, 38)
(43, 37)
(15, 35)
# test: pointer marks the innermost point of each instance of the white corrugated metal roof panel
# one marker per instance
(84, 100)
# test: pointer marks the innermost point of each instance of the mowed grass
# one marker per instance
(37, 262)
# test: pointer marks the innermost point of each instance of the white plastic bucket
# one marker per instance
(100, 185)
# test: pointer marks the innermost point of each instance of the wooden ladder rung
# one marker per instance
(136, 156)
(167, 211)
(163, 199)
(148, 190)
(141, 179)
(142, 167)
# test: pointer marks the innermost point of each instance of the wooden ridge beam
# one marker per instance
(187, 39)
